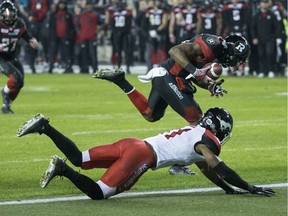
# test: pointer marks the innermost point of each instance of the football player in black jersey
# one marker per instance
(172, 81)
(12, 28)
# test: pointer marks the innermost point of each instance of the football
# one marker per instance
(215, 71)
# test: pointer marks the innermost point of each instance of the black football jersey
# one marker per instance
(9, 36)
(211, 48)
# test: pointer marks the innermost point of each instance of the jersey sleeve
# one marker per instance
(210, 45)
(211, 142)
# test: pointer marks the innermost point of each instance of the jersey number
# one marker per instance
(9, 44)
(175, 133)
(155, 20)
(119, 21)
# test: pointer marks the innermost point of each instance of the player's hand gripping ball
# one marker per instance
(215, 72)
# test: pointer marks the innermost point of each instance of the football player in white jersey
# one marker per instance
(128, 159)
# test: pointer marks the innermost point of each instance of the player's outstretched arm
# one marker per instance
(229, 175)
(215, 178)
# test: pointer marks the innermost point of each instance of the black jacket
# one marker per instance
(265, 27)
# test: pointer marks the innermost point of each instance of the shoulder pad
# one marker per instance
(211, 142)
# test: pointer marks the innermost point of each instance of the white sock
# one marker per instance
(6, 89)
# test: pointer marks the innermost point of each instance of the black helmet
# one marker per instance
(236, 50)
(121, 4)
(218, 121)
(8, 12)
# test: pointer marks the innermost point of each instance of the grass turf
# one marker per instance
(93, 112)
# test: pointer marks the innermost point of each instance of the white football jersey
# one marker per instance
(178, 146)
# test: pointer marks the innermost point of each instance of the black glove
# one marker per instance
(236, 192)
(262, 191)
(216, 89)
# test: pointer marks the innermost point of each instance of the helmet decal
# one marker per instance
(210, 41)
(236, 50)
(219, 122)
(240, 46)
(224, 126)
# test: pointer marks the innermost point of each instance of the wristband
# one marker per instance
(190, 68)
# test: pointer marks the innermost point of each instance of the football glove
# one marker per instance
(216, 89)
(262, 191)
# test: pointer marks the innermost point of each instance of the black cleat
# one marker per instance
(56, 168)
(111, 75)
(6, 110)
(34, 125)
(6, 103)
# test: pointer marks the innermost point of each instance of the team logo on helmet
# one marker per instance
(219, 121)
(210, 41)
(240, 47)
(224, 126)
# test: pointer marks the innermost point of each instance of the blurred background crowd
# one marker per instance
(76, 36)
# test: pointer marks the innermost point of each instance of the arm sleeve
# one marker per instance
(231, 176)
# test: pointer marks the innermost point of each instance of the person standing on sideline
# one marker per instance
(264, 31)
(77, 10)
(128, 159)
(89, 26)
(209, 19)
(62, 33)
(13, 28)
(37, 17)
(235, 15)
(156, 23)
(182, 25)
(121, 26)
(280, 12)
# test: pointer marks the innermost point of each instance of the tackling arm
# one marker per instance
(229, 175)
(214, 177)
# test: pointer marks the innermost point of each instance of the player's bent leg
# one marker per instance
(58, 167)
(141, 104)
(136, 158)
(40, 124)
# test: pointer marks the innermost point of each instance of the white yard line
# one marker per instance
(126, 194)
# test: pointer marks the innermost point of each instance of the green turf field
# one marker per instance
(93, 112)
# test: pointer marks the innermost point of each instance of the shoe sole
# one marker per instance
(25, 128)
(108, 74)
(49, 173)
